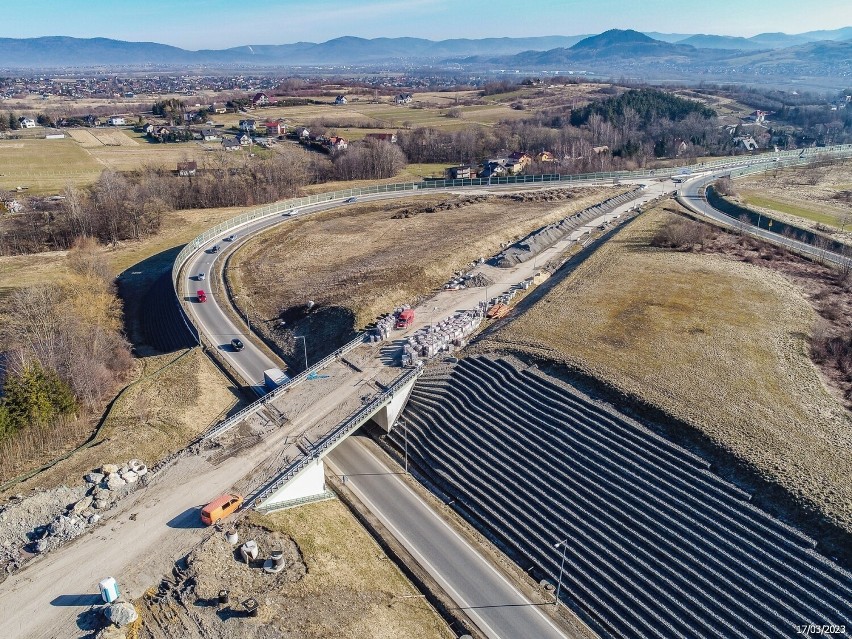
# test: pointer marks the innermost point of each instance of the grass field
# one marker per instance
(351, 590)
(795, 210)
(48, 166)
(811, 193)
(361, 258)
(717, 343)
(45, 165)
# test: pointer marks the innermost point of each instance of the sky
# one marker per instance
(218, 24)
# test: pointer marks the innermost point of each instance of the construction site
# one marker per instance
(615, 450)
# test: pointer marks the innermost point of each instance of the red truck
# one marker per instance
(202, 296)
(405, 319)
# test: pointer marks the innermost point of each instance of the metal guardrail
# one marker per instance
(288, 205)
(255, 406)
(740, 165)
(339, 432)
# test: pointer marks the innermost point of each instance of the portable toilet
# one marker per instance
(109, 589)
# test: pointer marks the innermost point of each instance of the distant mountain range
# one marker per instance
(627, 52)
(62, 51)
(66, 52)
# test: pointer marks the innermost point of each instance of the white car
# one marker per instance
(201, 277)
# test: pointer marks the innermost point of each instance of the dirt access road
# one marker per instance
(154, 526)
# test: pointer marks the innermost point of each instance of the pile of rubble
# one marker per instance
(443, 206)
(47, 519)
(468, 280)
(548, 195)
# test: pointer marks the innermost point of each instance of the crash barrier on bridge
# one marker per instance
(771, 224)
(334, 437)
(251, 409)
(656, 545)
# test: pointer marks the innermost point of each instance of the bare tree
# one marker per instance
(725, 186)
(844, 220)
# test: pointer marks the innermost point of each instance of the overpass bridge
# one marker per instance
(318, 416)
(303, 480)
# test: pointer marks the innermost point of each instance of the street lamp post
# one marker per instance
(405, 432)
(305, 344)
(561, 570)
(248, 303)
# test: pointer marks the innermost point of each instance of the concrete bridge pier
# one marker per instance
(388, 414)
(306, 487)
(307, 484)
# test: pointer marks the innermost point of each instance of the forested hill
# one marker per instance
(648, 104)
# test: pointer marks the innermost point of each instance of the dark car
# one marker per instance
(351, 199)
(214, 248)
(237, 345)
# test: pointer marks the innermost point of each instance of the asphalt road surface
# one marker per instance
(491, 601)
(692, 196)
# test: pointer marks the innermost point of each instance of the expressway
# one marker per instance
(494, 604)
(219, 328)
(692, 196)
(488, 598)
(461, 570)
(45, 596)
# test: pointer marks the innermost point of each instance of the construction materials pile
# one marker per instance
(386, 323)
(469, 280)
(547, 236)
(446, 335)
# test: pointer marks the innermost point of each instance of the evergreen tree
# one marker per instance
(36, 396)
(6, 425)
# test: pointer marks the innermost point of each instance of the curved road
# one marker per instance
(692, 196)
(494, 604)
(218, 326)
(497, 607)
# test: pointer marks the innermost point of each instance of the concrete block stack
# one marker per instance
(446, 335)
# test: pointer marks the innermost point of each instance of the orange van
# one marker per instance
(220, 508)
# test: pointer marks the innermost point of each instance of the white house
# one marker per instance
(230, 144)
(116, 120)
(403, 98)
(340, 99)
(248, 125)
(27, 123)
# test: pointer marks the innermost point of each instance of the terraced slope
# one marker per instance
(657, 545)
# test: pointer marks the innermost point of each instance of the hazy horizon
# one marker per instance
(201, 24)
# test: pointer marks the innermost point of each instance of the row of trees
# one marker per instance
(9, 122)
(63, 354)
(118, 207)
(130, 206)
